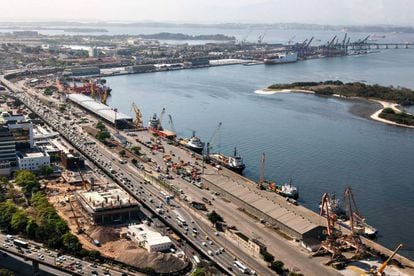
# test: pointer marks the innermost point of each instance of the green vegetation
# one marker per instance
(122, 153)
(48, 91)
(6, 272)
(28, 181)
(103, 133)
(398, 95)
(200, 271)
(397, 117)
(278, 266)
(134, 161)
(136, 150)
(46, 170)
(268, 257)
(214, 217)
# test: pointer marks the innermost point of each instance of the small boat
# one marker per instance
(194, 143)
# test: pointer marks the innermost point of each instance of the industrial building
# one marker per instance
(82, 71)
(103, 111)
(144, 68)
(108, 206)
(148, 238)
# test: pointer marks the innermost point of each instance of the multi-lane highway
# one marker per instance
(65, 264)
(131, 179)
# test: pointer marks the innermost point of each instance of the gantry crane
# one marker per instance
(330, 244)
(380, 271)
(138, 116)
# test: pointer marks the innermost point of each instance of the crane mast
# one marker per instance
(138, 116)
(212, 139)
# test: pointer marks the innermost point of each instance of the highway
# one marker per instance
(50, 258)
(127, 177)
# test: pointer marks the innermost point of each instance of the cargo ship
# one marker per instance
(281, 58)
(194, 143)
(234, 163)
(154, 126)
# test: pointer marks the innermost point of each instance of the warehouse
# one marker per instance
(103, 111)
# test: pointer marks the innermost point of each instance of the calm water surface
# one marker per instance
(314, 140)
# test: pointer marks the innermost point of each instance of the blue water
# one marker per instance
(314, 140)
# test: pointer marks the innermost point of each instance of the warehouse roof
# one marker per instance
(98, 108)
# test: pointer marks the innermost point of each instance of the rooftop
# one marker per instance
(109, 199)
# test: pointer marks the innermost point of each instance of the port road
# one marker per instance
(246, 224)
(98, 154)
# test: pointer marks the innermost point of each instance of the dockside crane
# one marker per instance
(161, 117)
(261, 37)
(104, 97)
(357, 224)
(212, 140)
(170, 121)
(138, 116)
(380, 271)
(330, 244)
(262, 168)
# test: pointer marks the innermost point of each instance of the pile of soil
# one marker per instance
(128, 252)
(104, 234)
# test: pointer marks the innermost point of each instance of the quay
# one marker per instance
(269, 208)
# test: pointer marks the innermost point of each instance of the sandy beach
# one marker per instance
(374, 116)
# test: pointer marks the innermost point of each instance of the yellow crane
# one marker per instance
(104, 97)
(381, 269)
(93, 95)
(138, 116)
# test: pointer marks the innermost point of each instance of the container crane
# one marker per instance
(380, 271)
(261, 37)
(138, 116)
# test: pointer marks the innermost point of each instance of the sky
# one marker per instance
(334, 12)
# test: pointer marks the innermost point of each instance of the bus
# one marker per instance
(196, 259)
(240, 266)
(181, 220)
(20, 243)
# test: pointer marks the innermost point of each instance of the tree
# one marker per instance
(28, 181)
(103, 135)
(122, 153)
(134, 161)
(268, 257)
(46, 170)
(200, 271)
(214, 217)
(7, 209)
(136, 150)
(48, 91)
(6, 272)
(100, 126)
(277, 266)
(19, 221)
(71, 242)
(31, 228)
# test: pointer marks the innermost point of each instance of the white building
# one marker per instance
(32, 161)
(148, 238)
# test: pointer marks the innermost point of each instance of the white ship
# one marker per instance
(282, 58)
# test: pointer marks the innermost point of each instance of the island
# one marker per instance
(391, 98)
(180, 36)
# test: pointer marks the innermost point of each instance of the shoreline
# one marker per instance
(374, 116)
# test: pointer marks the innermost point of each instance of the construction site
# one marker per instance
(98, 212)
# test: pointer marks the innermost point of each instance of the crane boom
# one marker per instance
(262, 167)
(161, 117)
(212, 139)
(384, 265)
(171, 123)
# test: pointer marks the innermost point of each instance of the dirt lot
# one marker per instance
(112, 245)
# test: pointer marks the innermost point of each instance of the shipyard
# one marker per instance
(133, 182)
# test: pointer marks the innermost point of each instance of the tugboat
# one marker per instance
(286, 190)
(194, 143)
(234, 163)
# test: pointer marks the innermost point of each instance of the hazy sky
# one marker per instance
(398, 12)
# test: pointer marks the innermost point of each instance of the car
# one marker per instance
(210, 242)
(204, 244)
